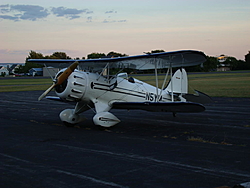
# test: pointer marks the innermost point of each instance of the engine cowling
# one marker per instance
(73, 88)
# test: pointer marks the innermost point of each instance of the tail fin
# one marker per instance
(179, 82)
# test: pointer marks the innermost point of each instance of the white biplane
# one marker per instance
(89, 85)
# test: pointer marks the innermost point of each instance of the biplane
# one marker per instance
(89, 84)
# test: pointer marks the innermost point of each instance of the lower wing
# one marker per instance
(175, 107)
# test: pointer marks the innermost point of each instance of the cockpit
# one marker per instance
(125, 76)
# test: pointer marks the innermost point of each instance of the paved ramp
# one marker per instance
(208, 149)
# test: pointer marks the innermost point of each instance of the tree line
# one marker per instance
(210, 65)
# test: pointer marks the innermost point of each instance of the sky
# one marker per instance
(81, 27)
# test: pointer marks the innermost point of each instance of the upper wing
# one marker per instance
(161, 106)
(183, 58)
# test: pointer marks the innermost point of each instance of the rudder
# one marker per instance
(178, 83)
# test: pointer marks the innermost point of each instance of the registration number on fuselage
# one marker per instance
(152, 97)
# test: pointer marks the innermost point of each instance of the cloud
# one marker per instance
(113, 21)
(68, 12)
(108, 21)
(89, 19)
(4, 9)
(4, 6)
(6, 17)
(30, 12)
(35, 12)
(23, 12)
(89, 12)
(110, 12)
(122, 21)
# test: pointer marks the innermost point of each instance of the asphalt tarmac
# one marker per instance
(146, 149)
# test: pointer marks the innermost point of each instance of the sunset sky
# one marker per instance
(80, 27)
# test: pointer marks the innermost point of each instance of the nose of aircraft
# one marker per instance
(73, 88)
(60, 79)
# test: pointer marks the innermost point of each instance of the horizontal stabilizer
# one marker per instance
(199, 97)
(161, 106)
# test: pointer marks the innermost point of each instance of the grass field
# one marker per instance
(24, 84)
(214, 84)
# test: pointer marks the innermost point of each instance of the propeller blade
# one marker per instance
(60, 78)
(47, 91)
(66, 73)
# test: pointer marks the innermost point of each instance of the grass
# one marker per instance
(214, 84)
(233, 85)
(4, 82)
(29, 84)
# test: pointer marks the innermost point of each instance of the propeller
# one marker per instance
(60, 79)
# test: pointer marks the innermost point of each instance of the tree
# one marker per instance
(18, 69)
(243, 65)
(55, 55)
(116, 54)
(154, 51)
(247, 57)
(34, 55)
(209, 65)
(233, 62)
(95, 55)
(59, 55)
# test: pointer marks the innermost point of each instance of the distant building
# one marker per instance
(13, 67)
(17, 66)
(4, 71)
(223, 66)
(36, 71)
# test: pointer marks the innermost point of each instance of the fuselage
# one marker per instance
(89, 87)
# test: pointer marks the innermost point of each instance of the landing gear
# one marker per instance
(69, 118)
(105, 119)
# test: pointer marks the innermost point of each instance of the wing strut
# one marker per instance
(171, 74)
(182, 75)
(164, 82)
(156, 80)
(105, 71)
(48, 72)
